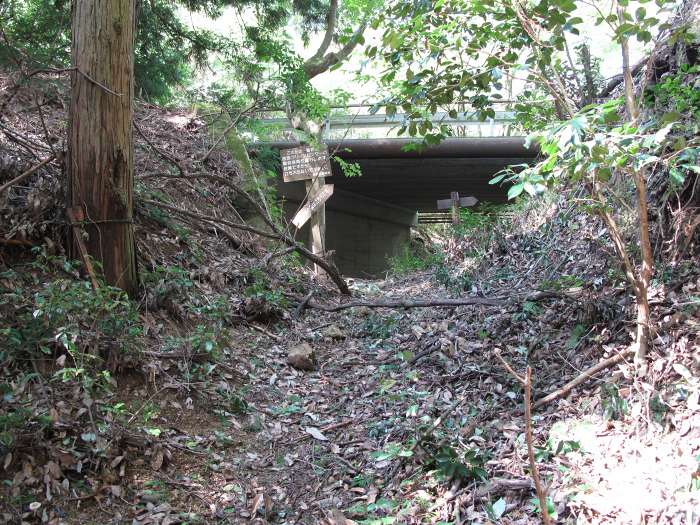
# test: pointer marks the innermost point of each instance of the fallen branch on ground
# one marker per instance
(499, 486)
(302, 304)
(174, 161)
(16, 242)
(300, 249)
(429, 349)
(405, 303)
(583, 377)
(26, 174)
(526, 382)
(329, 268)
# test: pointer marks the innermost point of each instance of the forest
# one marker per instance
(238, 283)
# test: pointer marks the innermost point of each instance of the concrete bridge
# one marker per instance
(369, 217)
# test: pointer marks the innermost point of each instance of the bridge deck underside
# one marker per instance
(415, 179)
(417, 183)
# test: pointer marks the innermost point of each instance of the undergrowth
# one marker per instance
(64, 341)
(456, 252)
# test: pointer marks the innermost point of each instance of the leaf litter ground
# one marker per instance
(409, 416)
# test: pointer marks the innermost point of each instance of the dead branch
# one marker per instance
(275, 233)
(520, 379)
(527, 385)
(272, 255)
(432, 347)
(16, 242)
(265, 332)
(75, 217)
(300, 249)
(227, 131)
(405, 303)
(174, 161)
(302, 304)
(583, 377)
(26, 174)
(541, 491)
(498, 486)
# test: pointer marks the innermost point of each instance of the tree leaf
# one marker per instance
(498, 508)
(316, 433)
(516, 190)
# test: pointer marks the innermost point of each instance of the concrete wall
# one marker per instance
(362, 232)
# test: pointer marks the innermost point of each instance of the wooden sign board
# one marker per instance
(314, 203)
(304, 163)
(446, 204)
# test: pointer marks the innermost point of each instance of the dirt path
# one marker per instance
(358, 439)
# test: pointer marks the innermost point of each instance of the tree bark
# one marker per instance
(639, 175)
(100, 147)
(587, 63)
(318, 64)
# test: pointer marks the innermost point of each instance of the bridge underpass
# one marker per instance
(369, 217)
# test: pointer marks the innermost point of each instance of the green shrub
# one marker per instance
(412, 258)
(67, 314)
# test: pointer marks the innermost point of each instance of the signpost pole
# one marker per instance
(310, 165)
(317, 223)
(454, 203)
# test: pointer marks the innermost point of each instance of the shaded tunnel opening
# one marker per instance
(370, 216)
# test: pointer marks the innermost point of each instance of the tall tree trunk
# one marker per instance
(100, 159)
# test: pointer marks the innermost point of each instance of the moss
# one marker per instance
(236, 147)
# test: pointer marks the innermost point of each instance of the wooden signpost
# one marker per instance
(455, 202)
(312, 205)
(312, 166)
(304, 163)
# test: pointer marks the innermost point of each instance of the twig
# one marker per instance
(583, 377)
(47, 136)
(53, 71)
(541, 492)
(406, 303)
(426, 351)
(227, 131)
(265, 332)
(527, 384)
(272, 255)
(510, 370)
(26, 174)
(176, 162)
(300, 249)
(75, 216)
(302, 304)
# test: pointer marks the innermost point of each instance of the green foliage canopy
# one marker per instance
(37, 32)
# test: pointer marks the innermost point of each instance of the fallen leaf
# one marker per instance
(157, 460)
(316, 433)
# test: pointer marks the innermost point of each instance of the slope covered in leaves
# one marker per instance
(408, 416)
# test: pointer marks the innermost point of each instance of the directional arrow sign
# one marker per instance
(315, 201)
(444, 204)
